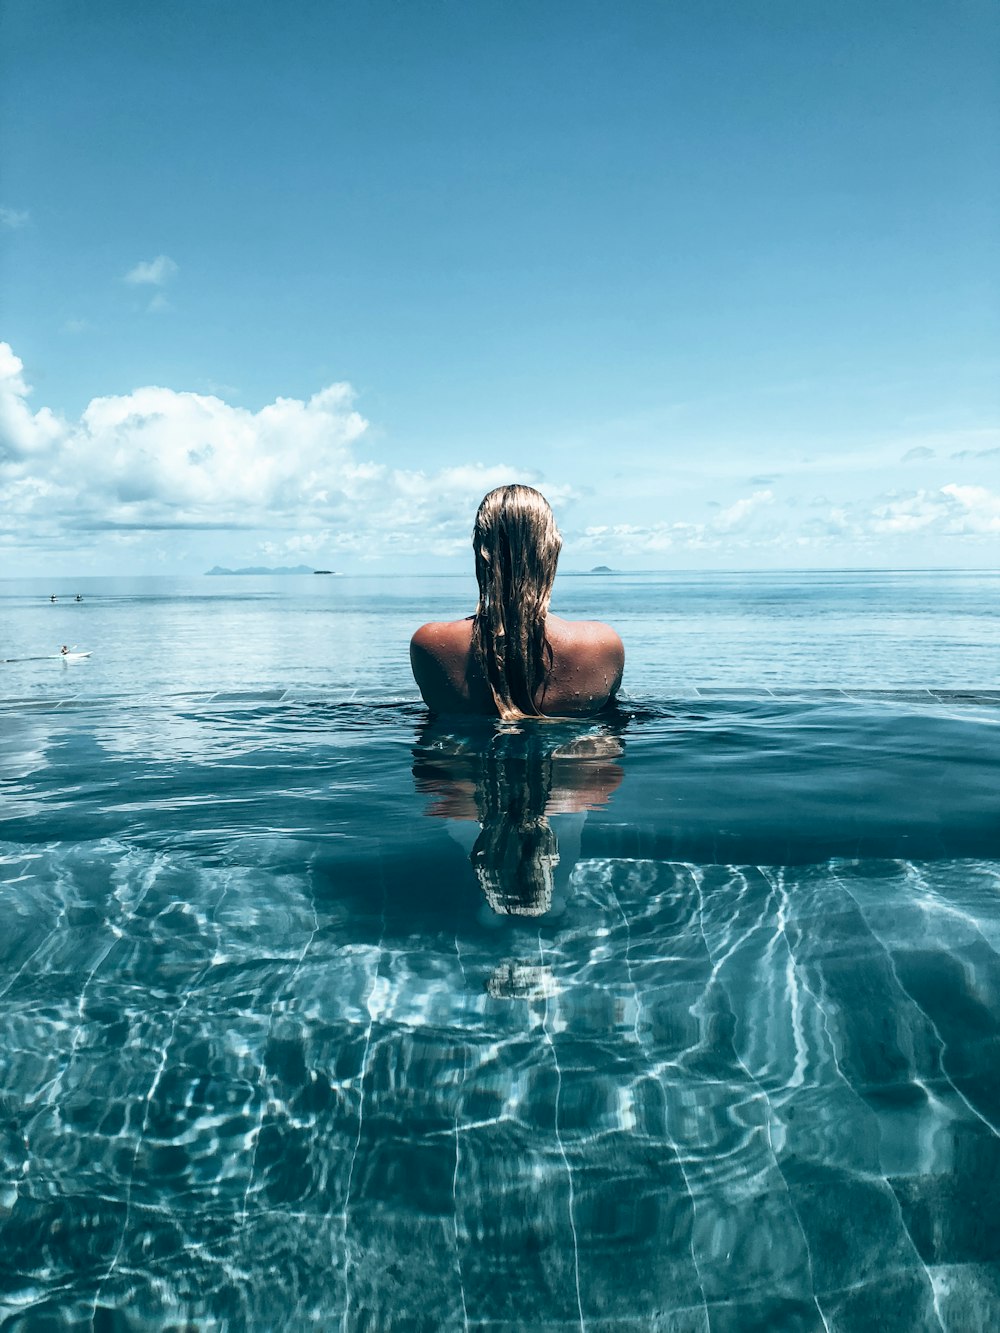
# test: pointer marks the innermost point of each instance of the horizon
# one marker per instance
(300, 287)
(775, 571)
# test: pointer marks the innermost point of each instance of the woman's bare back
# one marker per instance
(587, 663)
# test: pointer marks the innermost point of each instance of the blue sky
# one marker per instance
(299, 283)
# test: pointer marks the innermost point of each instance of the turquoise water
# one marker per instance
(316, 1013)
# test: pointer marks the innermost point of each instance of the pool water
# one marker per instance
(317, 1013)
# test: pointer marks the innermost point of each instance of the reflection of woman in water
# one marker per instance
(516, 853)
(513, 657)
(522, 785)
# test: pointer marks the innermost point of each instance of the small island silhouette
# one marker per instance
(265, 569)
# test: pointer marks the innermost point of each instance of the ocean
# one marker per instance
(319, 1013)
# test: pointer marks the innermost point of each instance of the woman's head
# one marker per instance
(516, 545)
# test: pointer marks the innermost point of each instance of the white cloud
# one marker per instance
(953, 511)
(13, 217)
(292, 473)
(152, 272)
(980, 508)
(918, 452)
(24, 435)
(726, 529)
(737, 514)
(910, 513)
(865, 526)
(298, 480)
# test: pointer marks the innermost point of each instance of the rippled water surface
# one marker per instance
(317, 1013)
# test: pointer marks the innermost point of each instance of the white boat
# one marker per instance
(71, 656)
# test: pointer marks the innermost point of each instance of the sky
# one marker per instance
(298, 284)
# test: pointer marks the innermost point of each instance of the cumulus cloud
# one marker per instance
(152, 272)
(24, 435)
(979, 509)
(736, 514)
(730, 527)
(300, 481)
(906, 514)
(954, 510)
(159, 459)
(13, 217)
(969, 514)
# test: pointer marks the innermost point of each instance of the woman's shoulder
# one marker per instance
(589, 660)
(593, 634)
(438, 635)
(440, 654)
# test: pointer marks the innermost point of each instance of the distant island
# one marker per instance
(586, 573)
(263, 569)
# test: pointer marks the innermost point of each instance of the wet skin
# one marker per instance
(587, 663)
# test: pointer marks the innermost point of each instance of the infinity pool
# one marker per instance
(317, 1015)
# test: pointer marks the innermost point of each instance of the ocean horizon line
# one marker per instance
(604, 572)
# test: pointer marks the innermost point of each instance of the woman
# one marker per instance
(514, 658)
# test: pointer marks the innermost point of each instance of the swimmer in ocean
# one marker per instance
(512, 657)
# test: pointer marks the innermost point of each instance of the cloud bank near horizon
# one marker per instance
(297, 479)
(292, 476)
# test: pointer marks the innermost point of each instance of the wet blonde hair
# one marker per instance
(517, 545)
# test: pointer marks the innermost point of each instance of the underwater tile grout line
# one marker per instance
(559, 1139)
(715, 978)
(148, 1099)
(262, 1073)
(993, 1129)
(454, 1179)
(362, 1075)
(793, 962)
(915, 876)
(791, 972)
(652, 1066)
(775, 878)
(60, 917)
(935, 1295)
